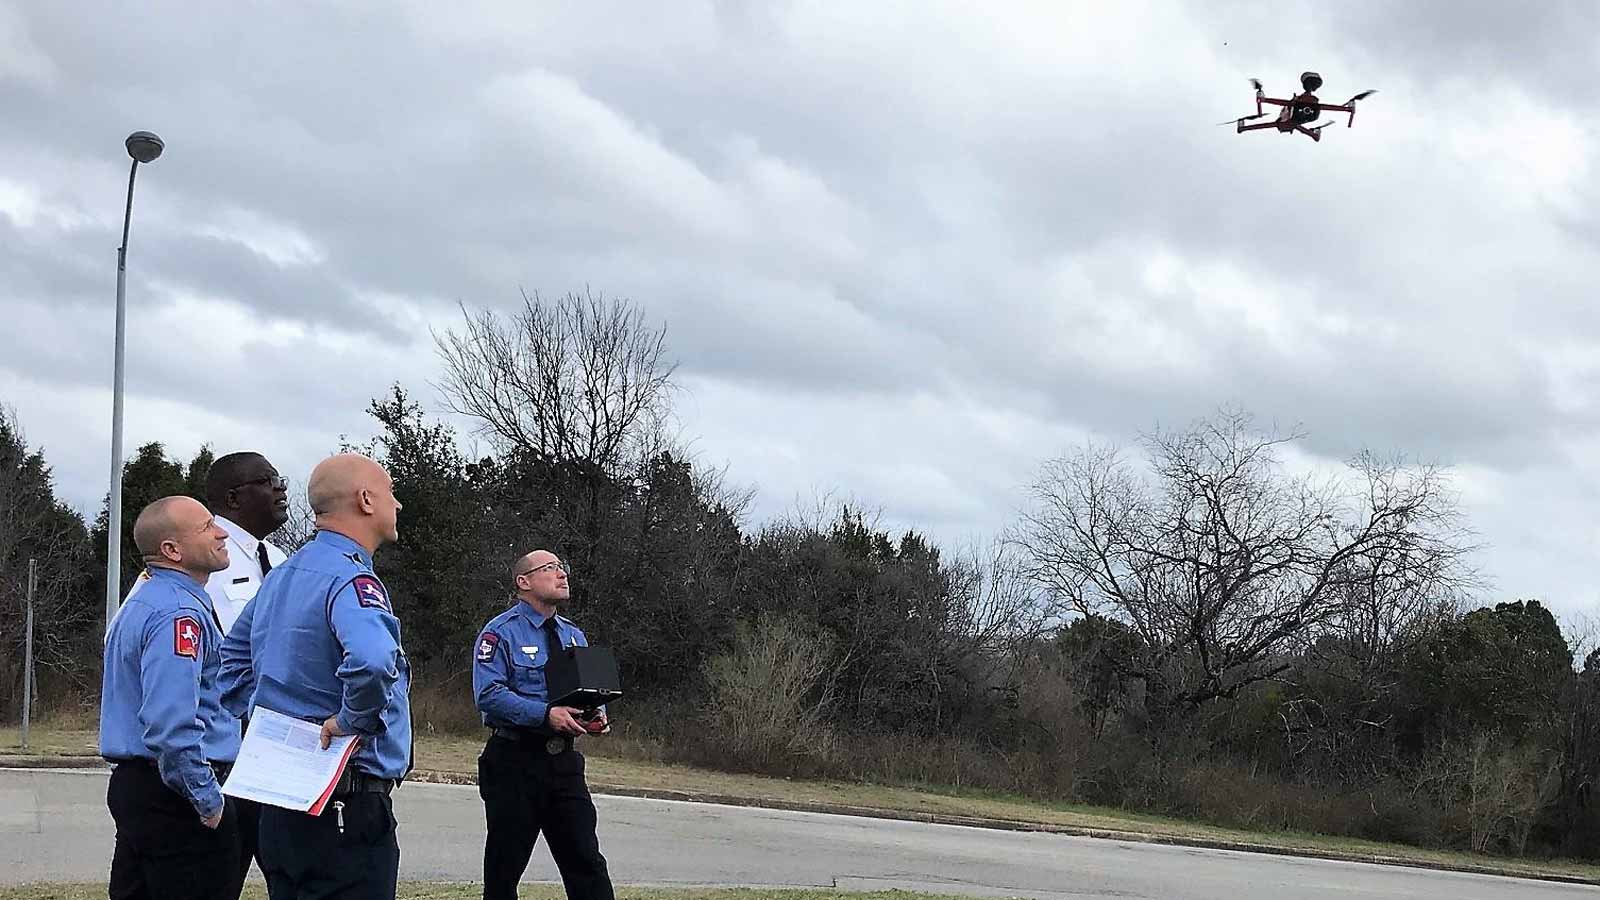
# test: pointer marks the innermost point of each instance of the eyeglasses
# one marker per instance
(276, 482)
(549, 565)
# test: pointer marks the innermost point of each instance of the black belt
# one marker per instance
(220, 768)
(550, 744)
(355, 781)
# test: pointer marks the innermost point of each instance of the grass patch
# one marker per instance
(73, 739)
(458, 755)
(417, 890)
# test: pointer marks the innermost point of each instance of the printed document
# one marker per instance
(282, 763)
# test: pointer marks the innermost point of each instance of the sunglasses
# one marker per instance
(276, 482)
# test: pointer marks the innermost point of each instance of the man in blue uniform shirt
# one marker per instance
(529, 776)
(162, 724)
(320, 642)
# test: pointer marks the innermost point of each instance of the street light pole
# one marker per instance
(143, 147)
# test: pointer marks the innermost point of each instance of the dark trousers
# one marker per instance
(306, 857)
(249, 812)
(526, 791)
(249, 816)
(162, 849)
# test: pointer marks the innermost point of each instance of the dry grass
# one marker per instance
(60, 739)
(452, 755)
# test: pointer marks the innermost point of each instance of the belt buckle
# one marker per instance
(555, 745)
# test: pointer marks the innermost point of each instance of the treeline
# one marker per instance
(1187, 626)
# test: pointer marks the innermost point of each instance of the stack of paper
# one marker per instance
(282, 763)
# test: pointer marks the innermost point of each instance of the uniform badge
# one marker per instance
(486, 645)
(531, 651)
(554, 745)
(370, 593)
(186, 637)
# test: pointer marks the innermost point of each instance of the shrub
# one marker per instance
(768, 696)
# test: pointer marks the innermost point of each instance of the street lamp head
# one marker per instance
(144, 147)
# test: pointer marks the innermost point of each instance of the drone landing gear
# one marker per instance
(1314, 133)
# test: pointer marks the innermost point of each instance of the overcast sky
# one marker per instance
(903, 251)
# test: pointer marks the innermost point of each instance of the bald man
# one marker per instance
(162, 723)
(530, 774)
(320, 642)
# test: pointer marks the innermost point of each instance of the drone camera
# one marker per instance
(1310, 80)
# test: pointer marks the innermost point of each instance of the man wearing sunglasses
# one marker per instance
(529, 776)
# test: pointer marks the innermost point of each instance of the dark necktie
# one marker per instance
(261, 554)
(552, 637)
(552, 645)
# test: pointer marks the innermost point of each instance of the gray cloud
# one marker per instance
(901, 250)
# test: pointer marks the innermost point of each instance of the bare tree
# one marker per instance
(300, 527)
(1000, 606)
(1220, 559)
(581, 379)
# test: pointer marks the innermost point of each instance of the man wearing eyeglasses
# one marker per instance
(249, 500)
(530, 776)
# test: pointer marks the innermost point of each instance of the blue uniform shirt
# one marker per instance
(160, 699)
(320, 639)
(508, 667)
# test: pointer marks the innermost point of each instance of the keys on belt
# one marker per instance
(355, 781)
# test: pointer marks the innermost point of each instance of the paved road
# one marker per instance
(53, 825)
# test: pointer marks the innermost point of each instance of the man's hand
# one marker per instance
(331, 730)
(563, 720)
(213, 821)
(600, 723)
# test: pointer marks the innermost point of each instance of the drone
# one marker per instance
(1298, 111)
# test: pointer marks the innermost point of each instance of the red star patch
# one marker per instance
(186, 637)
(370, 593)
(486, 646)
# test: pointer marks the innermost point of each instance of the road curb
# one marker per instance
(60, 761)
(81, 761)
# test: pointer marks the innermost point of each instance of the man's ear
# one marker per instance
(366, 500)
(169, 550)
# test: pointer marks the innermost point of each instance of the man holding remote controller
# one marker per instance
(530, 776)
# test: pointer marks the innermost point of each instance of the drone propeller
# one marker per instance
(1243, 119)
(1256, 83)
(1361, 96)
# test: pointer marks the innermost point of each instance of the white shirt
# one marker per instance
(233, 587)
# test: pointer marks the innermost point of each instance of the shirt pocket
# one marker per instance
(242, 593)
(527, 674)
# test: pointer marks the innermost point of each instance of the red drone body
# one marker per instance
(1299, 111)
